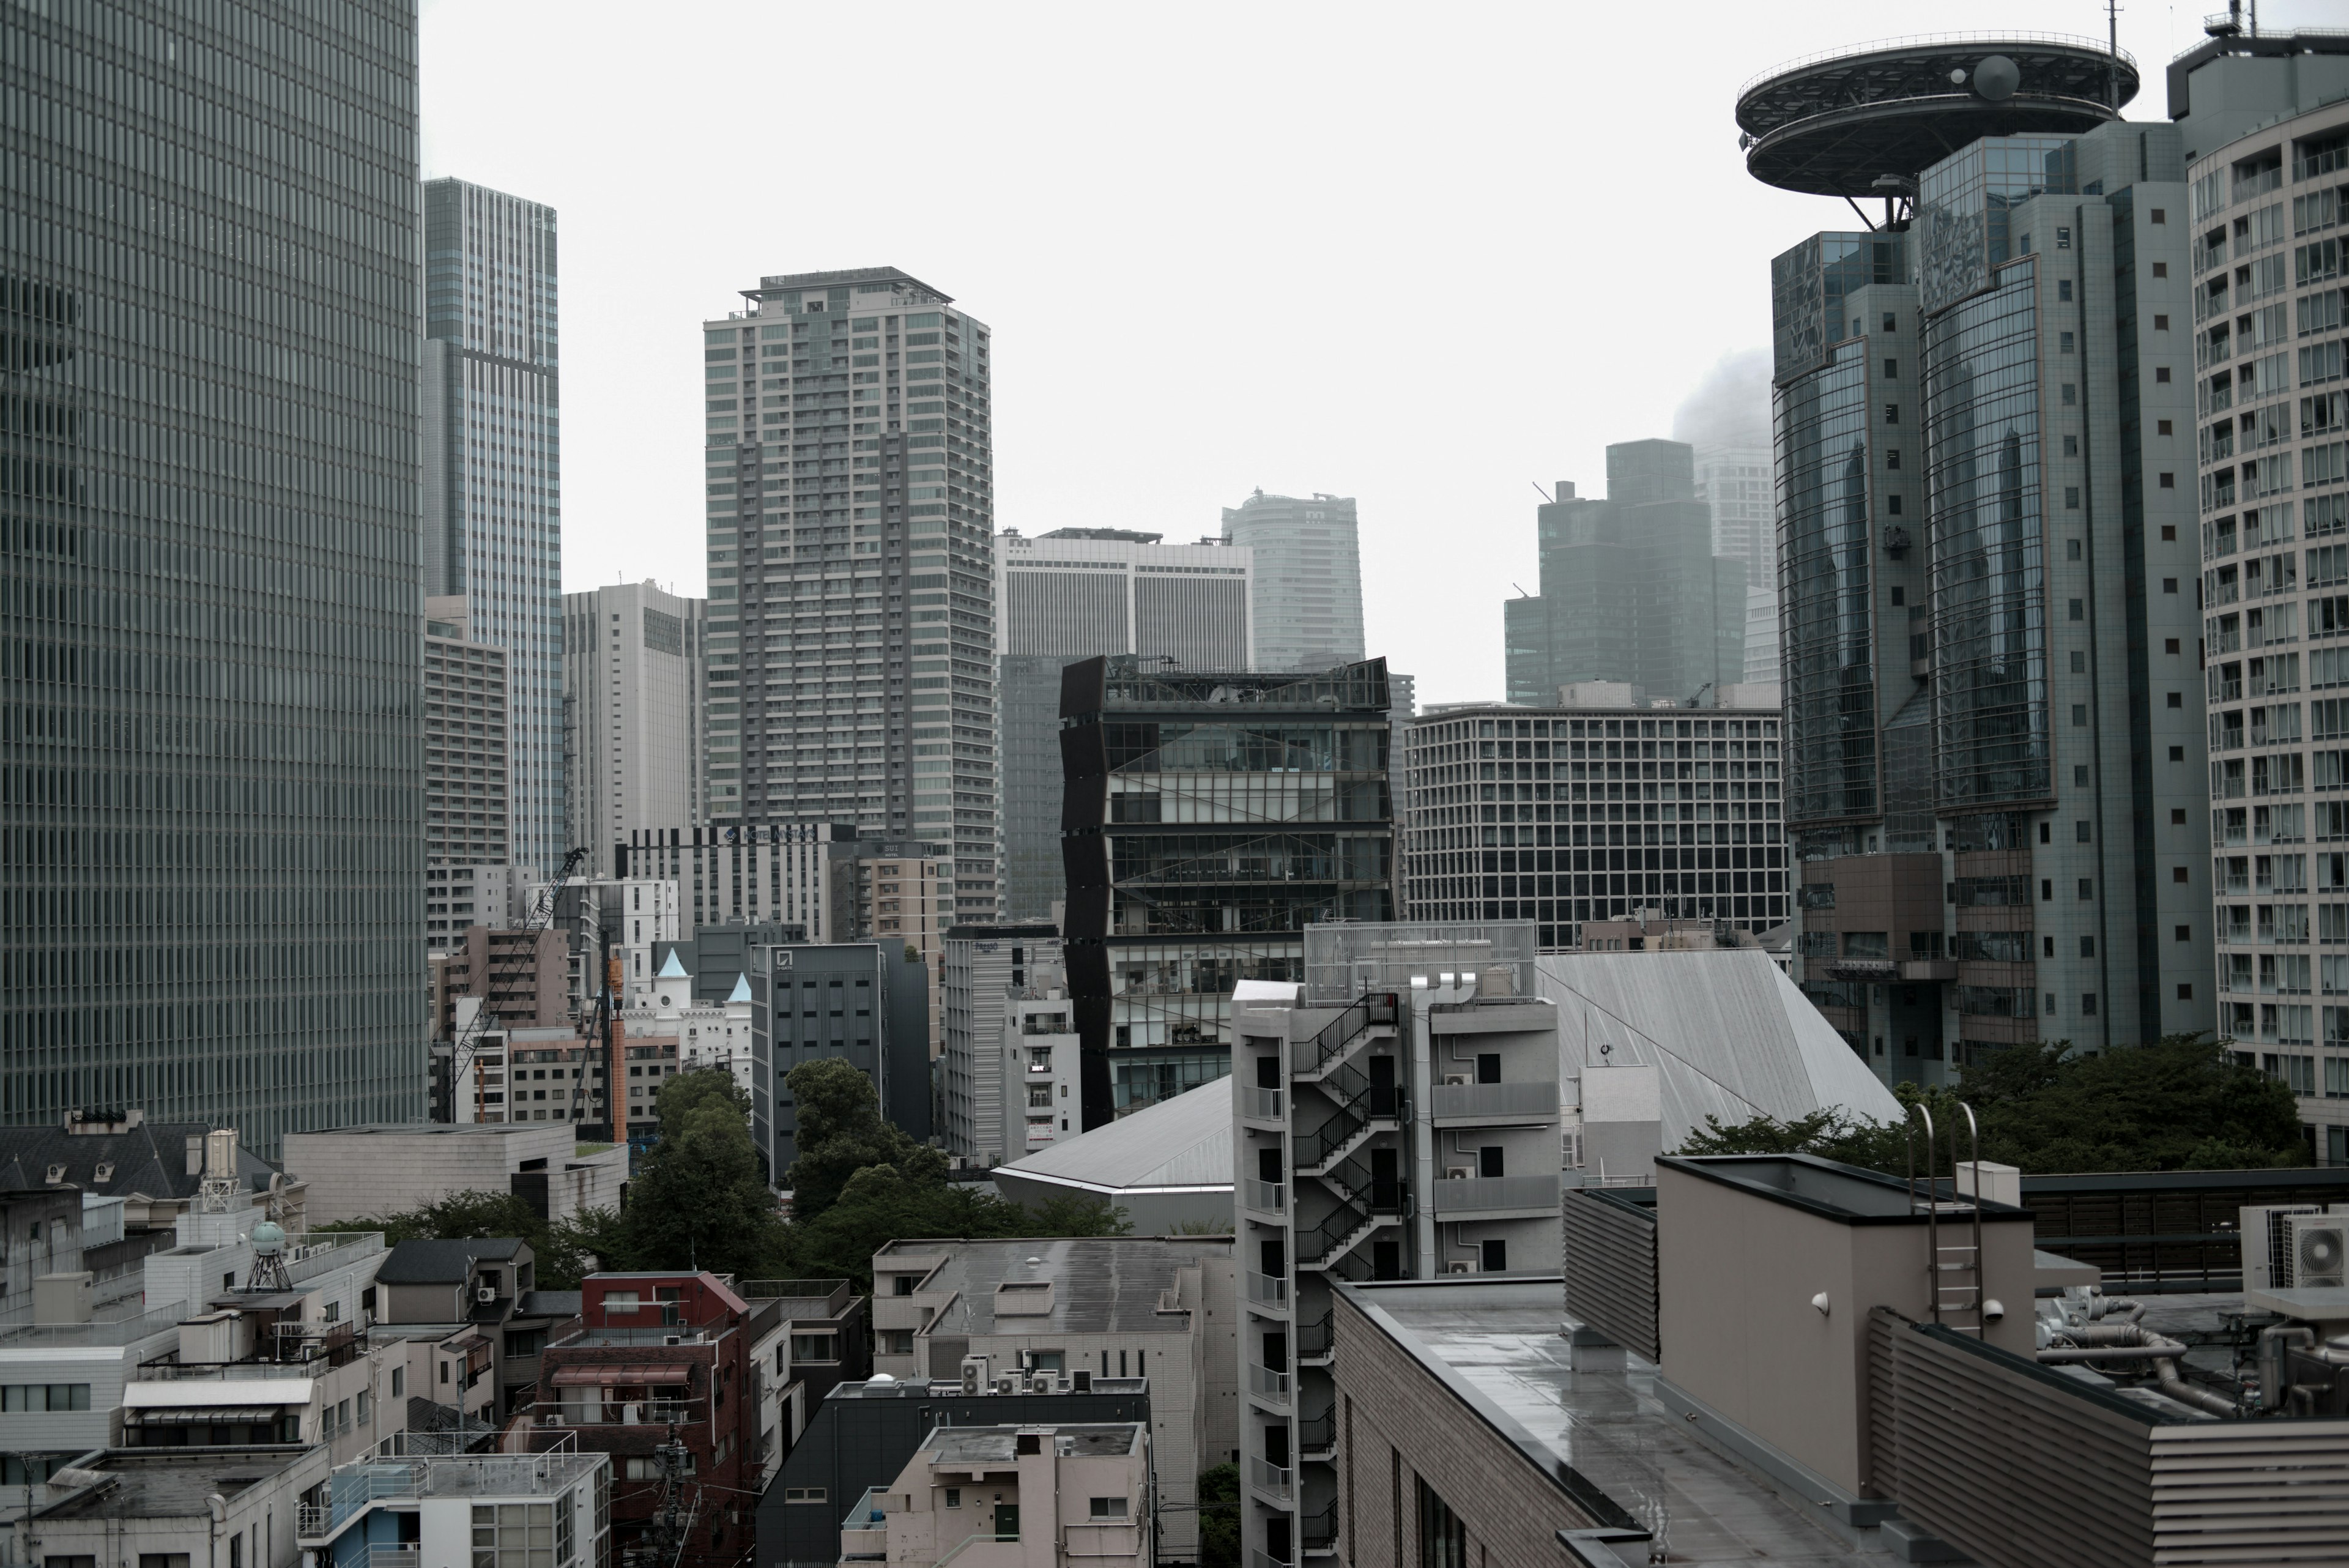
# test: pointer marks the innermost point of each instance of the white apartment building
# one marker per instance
(1040, 1053)
(984, 966)
(632, 684)
(1061, 1496)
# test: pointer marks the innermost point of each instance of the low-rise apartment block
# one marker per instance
(1066, 1496)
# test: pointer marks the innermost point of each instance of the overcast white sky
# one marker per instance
(1420, 255)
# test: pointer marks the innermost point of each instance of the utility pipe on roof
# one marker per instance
(2133, 1342)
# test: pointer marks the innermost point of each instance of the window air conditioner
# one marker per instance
(1452, 1078)
(1458, 1172)
(1460, 1266)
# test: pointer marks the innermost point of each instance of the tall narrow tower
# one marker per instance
(493, 471)
(852, 597)
(1308, 578)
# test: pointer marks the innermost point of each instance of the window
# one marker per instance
(818, 1494)
(31, 1397)
(954, 1495)
(815, 1347)
(2161, 324)
(1496, 1258)
(1442, 1537)
(621, 1300)
(1891, 413)
(2179, 874)
(2088, 888)
(399, 1382)
(1108, 1508)
(2161, 374)
(2088, 1004)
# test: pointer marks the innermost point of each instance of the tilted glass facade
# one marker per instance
(1826, 633)
(1990, 608)
(211, 638)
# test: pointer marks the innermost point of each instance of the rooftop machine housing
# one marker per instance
(1835, 124)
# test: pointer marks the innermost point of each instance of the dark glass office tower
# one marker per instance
(211, 856)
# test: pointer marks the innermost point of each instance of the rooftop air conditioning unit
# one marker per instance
(1458, 1172)
(2319, 1244)
(974, 1374)
(486, 1294)
(2266, 1240)
(1460, 1266)
(1452, 1078)
(1039, 1382)
(1007, 1383)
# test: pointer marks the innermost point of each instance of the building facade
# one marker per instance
(1989, 634)
(1074, 594)
(984, 968)
(1210, 818)
(850, 520)
(1394, 1117)
(632, 726)
(1606, 811)
(467, 816)
(860, 1002)
(1307, 557)
(494, 469)
(1631, 588)
(2271, 418)
(740, 872)
(212, 637)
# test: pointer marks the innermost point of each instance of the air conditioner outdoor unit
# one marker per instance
(1458, 1172)
(1452, 1078)
(1007, 1383)
(1460, 1266)
(2266, 1242)
(2319, 1244)
(672, 1339)
(486, 1293)
(1039, 1382)
(974, 1374)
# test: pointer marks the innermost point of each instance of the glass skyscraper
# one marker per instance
(210, 640)
(851, 592)
(492, 476)
(1308, 578)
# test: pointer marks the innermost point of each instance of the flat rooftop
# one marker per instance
(1844, 1192)
(169, 1484)
(1500, 1340)
(1105, 1284)
(952, 1446)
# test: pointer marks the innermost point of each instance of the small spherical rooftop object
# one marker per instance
(1997, 78)
(268, 1238)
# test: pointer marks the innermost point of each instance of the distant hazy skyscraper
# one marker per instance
(633, 703)
(1077, 594)
(1727, 421)
(213, 904)
(1308, 578)
(492, 470)
(852, 582)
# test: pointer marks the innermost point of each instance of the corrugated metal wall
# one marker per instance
(1611, 1267)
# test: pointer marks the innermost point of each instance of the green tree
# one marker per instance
(841, 1132)
(1219, 1516)
(699, 1201)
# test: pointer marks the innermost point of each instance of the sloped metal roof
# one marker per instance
(1731, 1036)
(1181, 1144)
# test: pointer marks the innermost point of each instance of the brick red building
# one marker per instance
(659, 1353)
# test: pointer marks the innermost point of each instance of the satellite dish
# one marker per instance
(1996, 78)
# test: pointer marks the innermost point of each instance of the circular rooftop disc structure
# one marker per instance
(1832, 124)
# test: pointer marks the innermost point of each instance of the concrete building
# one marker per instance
(861, 1002)
(1064, 1495)
(862, 1435)
(633, 712)
(351, 1173)
(1308, 583)
(1071, 595)
(410, 1499)
(467, 776)
(1396, 1116)
(262, 546)
(191, 1503)
(518, 975)
(155, 1169)
(983, 968)
(755, 871)
(1156, 1307)
(1994, 725)
(1613, 808)
(899, 893)
(1041, 1054)
(1631, 588)
(1168, 1166)
(2266, 236)
(1210, 819)
(709, 1035)
(850, 519)
(493, 474)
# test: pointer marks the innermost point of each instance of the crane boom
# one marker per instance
(540, 916)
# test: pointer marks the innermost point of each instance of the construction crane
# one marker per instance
(542, 916)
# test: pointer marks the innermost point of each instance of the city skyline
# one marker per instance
(1288, 378)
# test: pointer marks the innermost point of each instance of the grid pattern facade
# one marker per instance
(852, 620)
(753, 872)
(1308, 589)
(465, 771)
(2272, 450)
(633, 741)
(492, 458)
(210, 804)
(1733, 480)
(1558, 816)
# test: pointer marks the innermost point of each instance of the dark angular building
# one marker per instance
(1207, 820)
(212, 642)
(1630, 589)
(864, 1002)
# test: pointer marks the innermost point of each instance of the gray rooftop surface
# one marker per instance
(1184, 1142)
(1100, 1284)
(1503, 1341)
(994, 1445)
(169, 1484)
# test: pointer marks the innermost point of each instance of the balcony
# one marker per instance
(1261, 1105)
(1263, 1197)
(1268, 1291)
(1495, 1196)
(1272, 1481)
(865, 1529)
(1268, 1384)
(1492, 1105)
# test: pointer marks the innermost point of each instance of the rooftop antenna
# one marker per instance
(2113, 46)
(1521, 592)
(1540, 492)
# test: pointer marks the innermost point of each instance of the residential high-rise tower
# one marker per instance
(1308, 578)
(213, 908)
(632, 663)
(493, 471)
(851, 594)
